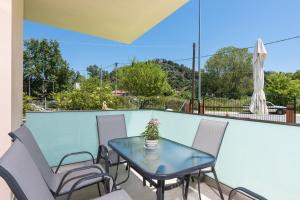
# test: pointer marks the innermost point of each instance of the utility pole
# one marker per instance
(193, 77)
(199, 64)
(44, 91)
(116, 83)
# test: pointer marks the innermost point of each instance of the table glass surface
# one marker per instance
(169, 159)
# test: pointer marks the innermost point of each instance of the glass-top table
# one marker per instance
(170, 160)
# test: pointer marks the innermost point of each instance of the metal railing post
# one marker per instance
(203, 104)
(295, 109)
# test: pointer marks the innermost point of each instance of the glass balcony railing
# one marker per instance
(258, 156)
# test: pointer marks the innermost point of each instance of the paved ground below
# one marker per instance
(137, 191)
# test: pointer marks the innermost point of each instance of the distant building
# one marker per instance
(77, 86)
(120, 93)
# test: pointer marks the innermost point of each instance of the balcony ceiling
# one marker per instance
(119, 20)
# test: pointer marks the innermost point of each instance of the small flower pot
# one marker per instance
(151, 144)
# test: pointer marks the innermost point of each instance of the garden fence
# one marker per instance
(282, 109)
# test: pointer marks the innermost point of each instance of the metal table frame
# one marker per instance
(184, 175)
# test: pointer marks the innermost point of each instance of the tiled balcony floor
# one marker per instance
(135, 189)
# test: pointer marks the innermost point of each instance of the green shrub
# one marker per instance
(27, 100)
(124, 103)
(161, 103)
(89, 97)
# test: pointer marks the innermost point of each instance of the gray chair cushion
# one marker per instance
(205, 170)
(110, 127)
(113, 157)
(116, 195)
(20, 172)
(25, 136)
(209, 136)
(72, 178)
(19, 164)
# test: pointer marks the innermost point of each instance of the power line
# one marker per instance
(251, 47)
(181, 59)
(208, 55)
(165, 45)
(283, 40)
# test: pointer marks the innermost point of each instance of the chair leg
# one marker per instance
(144, 182)
(126, 179)
(218, 184)
(107, 186)
(99, 191)
(116, 175)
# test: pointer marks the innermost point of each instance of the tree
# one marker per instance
(90, 96)
(296, 75)
(77, 77)
(144, 79)
(93, 71)
(43, 61)
(282, 85)
(179, 76)
(228, 73)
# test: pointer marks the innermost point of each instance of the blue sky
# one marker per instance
(224, 23)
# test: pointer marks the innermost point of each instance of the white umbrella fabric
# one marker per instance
(258, 101)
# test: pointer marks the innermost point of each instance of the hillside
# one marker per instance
(179, 76)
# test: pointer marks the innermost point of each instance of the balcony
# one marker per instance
(255, 155)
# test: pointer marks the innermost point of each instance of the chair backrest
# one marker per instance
(110, 127)
(22, 175)
(25, 136)
(209, 136)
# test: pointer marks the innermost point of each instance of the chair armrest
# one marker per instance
(90, 177)
(13, 136)
(61, 184)
(73, 154)
(247, 192)
(103, 154)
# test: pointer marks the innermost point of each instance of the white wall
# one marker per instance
(11, 70)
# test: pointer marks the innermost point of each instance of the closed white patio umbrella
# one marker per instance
(258, 101)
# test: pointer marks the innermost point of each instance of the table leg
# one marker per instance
(186, 192)
(160, 190)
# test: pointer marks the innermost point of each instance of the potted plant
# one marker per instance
(151, 134)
